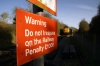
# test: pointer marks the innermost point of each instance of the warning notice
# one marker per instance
(35, 36)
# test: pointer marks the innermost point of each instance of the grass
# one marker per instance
(88, 58)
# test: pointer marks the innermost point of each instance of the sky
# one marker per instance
(70, 12)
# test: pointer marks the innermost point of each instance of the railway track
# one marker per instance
(69, 59)
(81, 57)
(79, 53)
(73, 59)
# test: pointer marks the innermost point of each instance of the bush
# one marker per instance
(5, 35)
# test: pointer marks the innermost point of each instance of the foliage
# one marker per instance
(75, 30)
(14, 13)
(5, 34)
(4, 16)
(98, 9)
(95, 24)
(83, 26)
(29, 7)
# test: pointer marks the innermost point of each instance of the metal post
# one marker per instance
(39, 61)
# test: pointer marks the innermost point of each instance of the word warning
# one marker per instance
(35, 36)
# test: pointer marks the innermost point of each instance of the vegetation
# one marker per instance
(4, 16)
(7, 33)
(83, 26)
(75, 30)
(92, 27)
(98, 9)
(95, 24)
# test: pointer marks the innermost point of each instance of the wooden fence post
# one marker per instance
(94, 46)
(82, 39)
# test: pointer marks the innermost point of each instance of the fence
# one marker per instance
(92, 44)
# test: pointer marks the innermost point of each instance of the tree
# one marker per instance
(29, 7)
(14, 12)
(98, 9)
(74, 30)
(83, 26)
(4, 16)
(95, 24)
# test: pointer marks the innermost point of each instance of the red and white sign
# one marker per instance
(48, 5)
(35, 36)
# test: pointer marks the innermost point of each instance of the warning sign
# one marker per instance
(35, 36)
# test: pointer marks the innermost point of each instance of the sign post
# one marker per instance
(39, 61)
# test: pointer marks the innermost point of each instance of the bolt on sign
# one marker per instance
(35, 35)
(48, 5)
